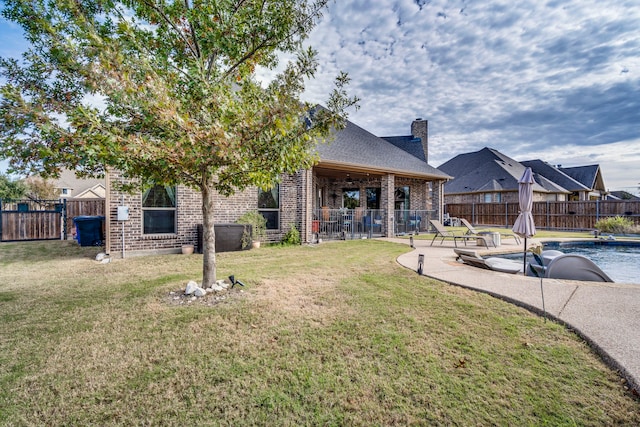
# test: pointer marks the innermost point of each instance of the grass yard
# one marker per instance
(337, 334)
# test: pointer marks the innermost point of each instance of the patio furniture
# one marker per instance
(575, 267)
(471, 230)
(329, 225)
(492, 263)
(451, 221)
(374, 225)
(442, 232)
(414, 223)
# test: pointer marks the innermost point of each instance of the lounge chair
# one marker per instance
(472, 231)
(492, 263)
(442, 232)
(575, 267)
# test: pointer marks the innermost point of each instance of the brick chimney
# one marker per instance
(419, 129)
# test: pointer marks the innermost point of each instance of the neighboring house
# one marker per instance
(622, 195)
(560, 177)
(591, 177)
(72, 187)
(488, 176)
(357, 171)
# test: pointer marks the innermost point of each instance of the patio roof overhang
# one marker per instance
(335, 169)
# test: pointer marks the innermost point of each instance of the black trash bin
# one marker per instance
(89, 230)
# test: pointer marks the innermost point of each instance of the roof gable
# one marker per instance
(590, 176)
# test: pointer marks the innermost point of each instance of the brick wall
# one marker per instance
(189, 215)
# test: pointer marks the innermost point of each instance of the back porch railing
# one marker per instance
(335, 224)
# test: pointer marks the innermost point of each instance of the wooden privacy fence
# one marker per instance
(43, 219)
(581, 215)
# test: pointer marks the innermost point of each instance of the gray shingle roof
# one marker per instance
(555, 175)
(586, 175)
(354, 146)
(489, 170)
(410, 144)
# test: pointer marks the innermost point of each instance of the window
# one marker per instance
(373, 198)
(401, 196)
(488, 198)
(159, 210)
(269, 206)
(350, 198)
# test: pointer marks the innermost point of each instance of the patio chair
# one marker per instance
(472, 231)
(492, 263)
(368, 224)
(414, 223)
(442, 232)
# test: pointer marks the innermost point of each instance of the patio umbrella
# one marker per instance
(524, 225)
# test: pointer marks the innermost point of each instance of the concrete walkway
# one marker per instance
(606, 315)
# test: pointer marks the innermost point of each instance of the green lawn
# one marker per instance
(336, 334)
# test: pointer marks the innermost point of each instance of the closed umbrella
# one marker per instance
(524, 225)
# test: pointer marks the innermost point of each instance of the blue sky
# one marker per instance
(554, 80)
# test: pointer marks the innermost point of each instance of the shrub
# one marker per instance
(617, 225)
(292, 237)
(258, 227)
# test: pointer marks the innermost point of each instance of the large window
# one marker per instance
(373, 198)
(159, 210)
(269, 206)
(350, 198)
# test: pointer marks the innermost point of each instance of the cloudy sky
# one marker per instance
(555, 80)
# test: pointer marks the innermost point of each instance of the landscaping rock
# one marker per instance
(191, 288)
(199, 292)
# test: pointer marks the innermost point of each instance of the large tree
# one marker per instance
(166, 92)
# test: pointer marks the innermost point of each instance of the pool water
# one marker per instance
(620, 260)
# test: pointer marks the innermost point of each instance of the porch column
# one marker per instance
(388, 186)
(305, 205)
(437, 203)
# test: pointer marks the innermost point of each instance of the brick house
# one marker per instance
(488, 176)
(358, 176)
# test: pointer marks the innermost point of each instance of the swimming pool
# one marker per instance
(619, 259)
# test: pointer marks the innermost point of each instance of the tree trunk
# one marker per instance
(208, 238)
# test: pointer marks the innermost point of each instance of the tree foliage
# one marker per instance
(41, 189)
(165, 91)
(11, 189)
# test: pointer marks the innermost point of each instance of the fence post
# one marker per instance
(506, 214)
(597, 210)
(473, 213)
(64, 220)
(0, 220)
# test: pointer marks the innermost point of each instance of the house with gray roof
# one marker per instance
(362, 185)
(72, 187)
(591, 177)
(489, 176)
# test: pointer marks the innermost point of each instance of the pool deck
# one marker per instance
(606, 315)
